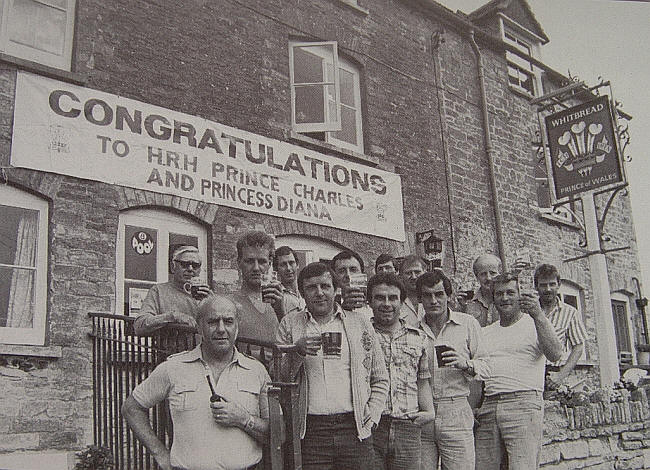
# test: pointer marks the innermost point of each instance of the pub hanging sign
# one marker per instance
(583, 149)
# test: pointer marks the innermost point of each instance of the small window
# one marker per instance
(146, 238)
(38, 30)
(521, 74)
(325, 105)
(23, 267)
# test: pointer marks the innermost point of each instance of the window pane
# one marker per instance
(17, 297)
(310, 105)
(348, 133)
(18, 235)
(140, 251)
(346, 80)
(620, 326)
(307, 67)
(38, 25)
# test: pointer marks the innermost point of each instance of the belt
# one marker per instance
(335, 418)
(518, 394)
(449, 399)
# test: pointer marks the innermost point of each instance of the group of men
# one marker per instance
(389, 375)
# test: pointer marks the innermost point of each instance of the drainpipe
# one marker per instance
(489, 152)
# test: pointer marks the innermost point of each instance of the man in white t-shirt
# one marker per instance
(511, 417)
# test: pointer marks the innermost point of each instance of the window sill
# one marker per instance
(353, 5)
(324, 147)
(53, 352)
(44, 70)
(521, 92)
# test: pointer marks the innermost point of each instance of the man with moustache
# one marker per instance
(208, 434)
(409, 406)
(449, 440)
(413, 266)
(344, 386)
(170, 302)
(481, 306)
(565, 320)
(512, 414)
(285, 262)
(258, 309)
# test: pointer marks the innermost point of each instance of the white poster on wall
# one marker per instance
(77, 131)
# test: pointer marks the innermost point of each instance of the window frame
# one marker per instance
(164, 222)
(528, 43)
(624, 299)
(341, 63)
(34, 336)
(60, 61)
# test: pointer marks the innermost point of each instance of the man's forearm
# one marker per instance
(257, 428)
(147, 323)
(137, 419)
(547, 337)
(572, 360)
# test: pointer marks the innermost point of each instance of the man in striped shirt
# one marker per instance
(564, 318)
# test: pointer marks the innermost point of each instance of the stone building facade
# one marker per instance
(410, 96)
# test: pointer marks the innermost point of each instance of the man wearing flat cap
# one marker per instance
(173, 301)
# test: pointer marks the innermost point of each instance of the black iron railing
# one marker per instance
(121, 360)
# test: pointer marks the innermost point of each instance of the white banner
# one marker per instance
(86, 133)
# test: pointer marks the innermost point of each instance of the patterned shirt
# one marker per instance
(568, 326)
(482, 309)
(407, 362)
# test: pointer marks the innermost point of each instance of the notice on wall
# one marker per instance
(81, 132)
(584, 154)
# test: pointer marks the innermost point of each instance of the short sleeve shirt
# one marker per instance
(568, 326)
(199, 442)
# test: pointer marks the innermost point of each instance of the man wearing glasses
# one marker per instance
(174, 301)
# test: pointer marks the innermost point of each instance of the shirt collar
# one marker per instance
(453, 317)
(479, 297)
(338, 312)
(196, 355)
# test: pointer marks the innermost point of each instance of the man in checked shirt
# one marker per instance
(450, 438)
(409, 405)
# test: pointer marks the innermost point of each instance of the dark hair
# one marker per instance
(314, 270)
(505, 278)
(284, 250)
(385, 258)
(411, 259)
(546, 270)
(432, 278)
(389, 279)
(255, 239)
(347, 254)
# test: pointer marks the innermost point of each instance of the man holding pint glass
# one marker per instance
(174, 301)
(456, 356)
(343, 380)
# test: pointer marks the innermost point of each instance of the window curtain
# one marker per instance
(20, 313)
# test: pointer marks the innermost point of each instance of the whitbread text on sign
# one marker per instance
(86, 133)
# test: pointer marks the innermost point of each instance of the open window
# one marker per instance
(145, 241)
(23, 267)
(38, 30)
(325, 105)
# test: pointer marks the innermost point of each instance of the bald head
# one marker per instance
(486, 267)
(215, 303)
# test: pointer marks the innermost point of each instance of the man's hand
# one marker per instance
(228, 413)
(180, 317)
(454, 359)
(272, 293)
(308, 345)
(423, 417)
(529, 303)
(202, 292)
(519, 265)
(352, 297)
